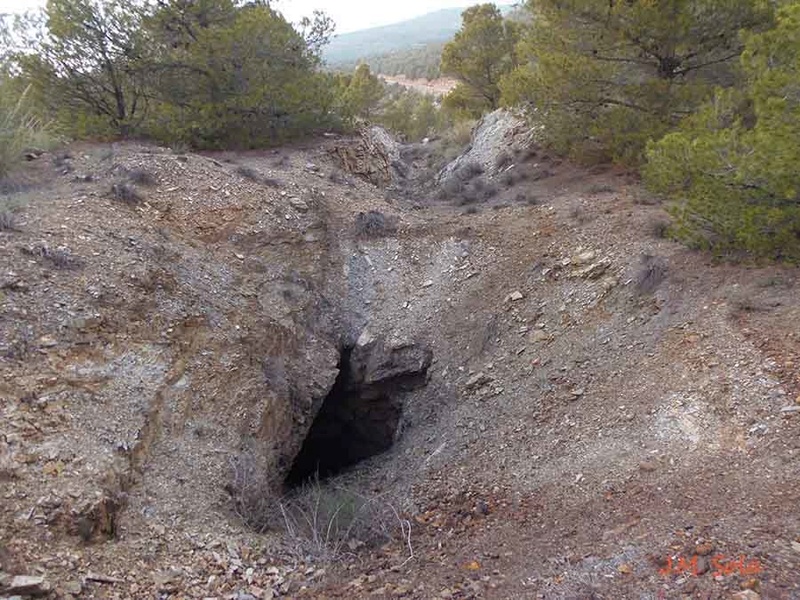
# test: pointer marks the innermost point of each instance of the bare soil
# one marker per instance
(608, 414)
(436, 87)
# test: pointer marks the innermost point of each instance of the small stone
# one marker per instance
(790, 410)
(704, 549)
(478, 380)
(593, 271)
(751, 584)
(702, 565)
(165, 579)
(27, 585)
(298, 204)
(796, 546)
(537, 335)
(427, 283)
(625, 569)
(647, 466)
(515, 296)
(746, 595)
(47, 341)
(578, 392)
(73, 587)
(584, 258)
(365, 338)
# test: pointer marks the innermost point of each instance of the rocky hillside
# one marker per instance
(557, 401)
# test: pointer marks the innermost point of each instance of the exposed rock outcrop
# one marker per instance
(495, 139)
(361, 415)
(373, 156)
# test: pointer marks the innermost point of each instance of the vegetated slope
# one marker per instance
(418, 62)
(432, 28)
(435, 27)
(601, 400)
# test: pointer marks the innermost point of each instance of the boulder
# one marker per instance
(494, 141)
(378, 362)
(373, 156)
(27, 585)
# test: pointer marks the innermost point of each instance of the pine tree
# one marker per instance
(731, 170)
(481, 53)
(605, 76)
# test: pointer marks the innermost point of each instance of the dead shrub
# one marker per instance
(127, 194)
(61, 161)
(251, 490)
(17, 344)
(180, 148)
(281, 162)
(651, 273)
(141, 177)
(578, 213)
(412, 152)
(508, 179)
(527, 154)
(601, 188)
(272, 182)
(456, 139)
(522, 197)
(659, 227)
(338, 177)
(248, 173)
(8, 222)
(451, 187)
(326, 521)
(374, 224)
(467, 196)
(468, 171)
(483, 189)
(744, 303)
(774, 281)
(542, 174)
(503, 160)
(60, 258)
(319, 520)
(644, 198)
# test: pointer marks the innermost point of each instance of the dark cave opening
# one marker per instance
(355, 422)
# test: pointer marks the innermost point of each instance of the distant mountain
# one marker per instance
(433, 28)
(417, 62)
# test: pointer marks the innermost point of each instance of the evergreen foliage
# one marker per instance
(731, 169)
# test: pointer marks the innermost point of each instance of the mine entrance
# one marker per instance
(355, 422)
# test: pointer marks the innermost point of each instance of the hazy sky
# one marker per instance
(349, 15)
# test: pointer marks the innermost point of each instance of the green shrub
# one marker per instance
(318, 519)
(19, 128)
(603, 78)
(731, 170)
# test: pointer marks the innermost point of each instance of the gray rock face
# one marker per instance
(27, 585)
(373, 157)
(379, 362)
(494, 140)
(361, 415)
